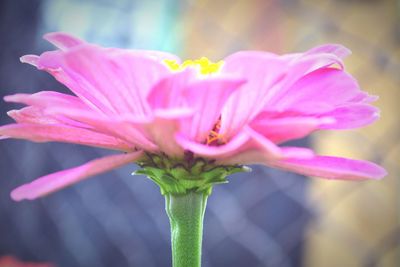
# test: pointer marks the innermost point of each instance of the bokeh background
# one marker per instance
(265, 218)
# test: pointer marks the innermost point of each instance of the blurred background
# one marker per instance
(265, 218)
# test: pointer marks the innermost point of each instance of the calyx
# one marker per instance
(175, 176)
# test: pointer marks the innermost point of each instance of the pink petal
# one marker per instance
(90, 68)
(127, 129)
(326, 50)
(332, 168)
(32, 115)
(90, 71)
(264, 144)
(207, 97)
(52, 62)
(40, 102)
(364, 97)
(318, 91)
(163, 128)
(302, 64)
(62, 40)
(259, 149)
(30, 59)
(246, 140)
(36, 115)
(154, 133)
(212, 151)
(319, 57)
(46, 99)
(62, 133)
(204, 96)
(280, 130)
(352, 116)
(258, 155)
(338, 50)
(261, 71)
(56, 181)
(169, 92)
(297, 152)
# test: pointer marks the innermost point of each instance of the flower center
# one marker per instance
(203, 64)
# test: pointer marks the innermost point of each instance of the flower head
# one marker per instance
(178, 117)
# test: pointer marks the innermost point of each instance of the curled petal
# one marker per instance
(212, 151)
(163, 128)
(56, 181)
(332, 168)
(264, 144)
(246, 140)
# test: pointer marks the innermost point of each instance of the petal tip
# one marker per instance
(8, 98)
(51, 35)
(30, 59)
(62, 40)
(18, 194)
(10, 113)
(380, 173)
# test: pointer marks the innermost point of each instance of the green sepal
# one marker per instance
(180, 177)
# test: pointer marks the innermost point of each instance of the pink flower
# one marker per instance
(237, 111)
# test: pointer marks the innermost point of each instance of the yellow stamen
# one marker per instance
(172, 64)
(203, 64)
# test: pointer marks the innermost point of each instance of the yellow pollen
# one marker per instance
(204, 65)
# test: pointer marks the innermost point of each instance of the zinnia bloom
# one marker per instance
(189, 118)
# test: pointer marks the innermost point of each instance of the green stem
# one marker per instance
(186, 213)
